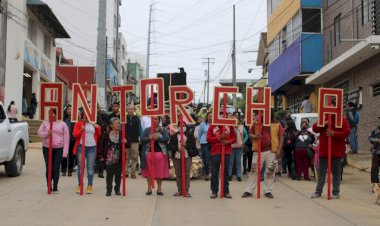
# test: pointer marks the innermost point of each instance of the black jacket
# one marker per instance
(132, 128)
(173, 142)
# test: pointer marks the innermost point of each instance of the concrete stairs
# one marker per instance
(34, 125)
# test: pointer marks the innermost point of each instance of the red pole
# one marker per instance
(223, 149)
(329, 154)
(152, 154)
(123, 155)
(259, 130)
(182, 155)
(50, 154)
(83, 154)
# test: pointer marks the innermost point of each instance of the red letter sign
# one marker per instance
(325, 108)
(159, 110)
(51, 96)
(261, 105)
(176, 102)
(80, 95)
(123, 101)
(216, 120)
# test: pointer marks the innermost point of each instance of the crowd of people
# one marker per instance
(284, 150)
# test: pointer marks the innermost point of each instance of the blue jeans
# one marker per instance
(90, 155)
(236, 156)
(354, 140)
(56, 161)
(206, 158)
(215, 164)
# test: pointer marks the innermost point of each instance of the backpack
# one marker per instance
(356, 118)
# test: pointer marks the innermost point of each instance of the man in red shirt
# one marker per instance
(272, 139)
(338, 148)
(217, 139)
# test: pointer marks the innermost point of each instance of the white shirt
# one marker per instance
(90, 135)
(146, 122)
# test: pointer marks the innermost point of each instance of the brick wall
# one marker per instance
(351, 26)
(364, 75)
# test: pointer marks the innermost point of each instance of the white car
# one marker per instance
(297, 118)
(14, 143)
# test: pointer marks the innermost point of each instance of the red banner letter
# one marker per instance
(123, 101)
(333, 109)
(216, 120)
(51, 96)
(80, 94)
(159, 110)
(177, 103)
(261, 105)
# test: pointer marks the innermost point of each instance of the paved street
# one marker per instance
(24, 202)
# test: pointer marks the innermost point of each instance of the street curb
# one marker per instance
(358, 166)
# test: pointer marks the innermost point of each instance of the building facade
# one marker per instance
(295, 46)
(352, 59)
(32, 29)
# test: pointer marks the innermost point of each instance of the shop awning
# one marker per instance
(359, 53)
(46, 16)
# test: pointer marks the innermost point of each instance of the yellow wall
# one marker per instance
(281, 16)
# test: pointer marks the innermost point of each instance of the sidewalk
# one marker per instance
(361, 161)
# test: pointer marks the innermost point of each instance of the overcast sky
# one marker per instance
(185, 31)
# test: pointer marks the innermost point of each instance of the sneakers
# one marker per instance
(227, 196)
(89, 189)
(55, 191)
(117, 192)
(269, 195)
(247, 195)
(214, 196)
(315, 195)
(335, 196)
(78, 190)
(108, 193)
(239, 179)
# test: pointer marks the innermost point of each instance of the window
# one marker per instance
(366, 11)
(289, 32)
(297, 26)
(32, 31)
(337, 32)
(47, 45)
(311, 20)
(274, 49)
(272, 5)
(345, 86)
(376, 90)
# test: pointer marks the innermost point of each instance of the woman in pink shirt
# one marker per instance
(61, 142)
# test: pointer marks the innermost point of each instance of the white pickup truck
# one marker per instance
(14, 142)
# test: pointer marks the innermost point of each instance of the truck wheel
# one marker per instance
(14, 167)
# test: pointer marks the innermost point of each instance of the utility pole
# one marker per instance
(148, 48)
(208, 61)
(100, 78)
(234, 58)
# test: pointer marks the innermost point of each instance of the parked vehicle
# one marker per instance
(297, 118)
(14, 142)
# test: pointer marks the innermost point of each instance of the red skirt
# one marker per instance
(161, 166)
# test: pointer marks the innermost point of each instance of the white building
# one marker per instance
(31, 30)
(80, 18)
(122, 60)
